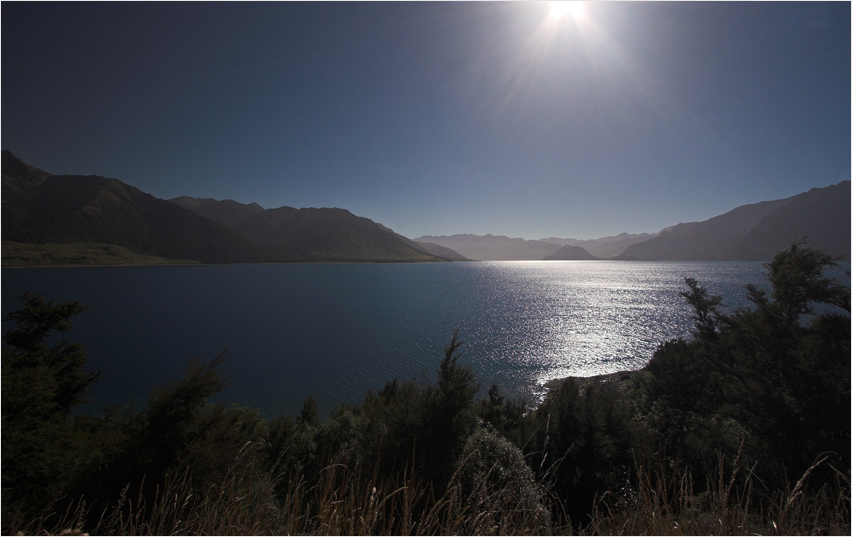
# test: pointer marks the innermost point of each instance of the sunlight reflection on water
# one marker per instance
(587, 318)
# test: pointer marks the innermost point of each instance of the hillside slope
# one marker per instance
(329, 234)
(42, 208)
(756, 232)
(821, 215)
(334, 234)
(227, 212)
(441, 251)
(92, 209)
(20, 186)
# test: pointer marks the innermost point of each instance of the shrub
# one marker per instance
(41, 385)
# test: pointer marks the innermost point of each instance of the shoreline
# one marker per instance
(200, 264)
(619, 379)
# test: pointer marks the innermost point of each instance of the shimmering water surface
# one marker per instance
(338, 330)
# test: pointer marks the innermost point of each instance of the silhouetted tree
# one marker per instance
(449, 418)
(774, 377)
(42, 381)
(706, 308)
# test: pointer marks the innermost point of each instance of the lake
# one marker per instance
(337, 330)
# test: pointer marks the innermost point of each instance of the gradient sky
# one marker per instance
(439, 118)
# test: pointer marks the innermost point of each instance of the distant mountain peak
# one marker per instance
(492, 247)
(570, 253)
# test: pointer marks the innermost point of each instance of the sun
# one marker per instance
(560, 9)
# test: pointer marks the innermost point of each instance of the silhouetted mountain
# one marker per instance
(822, 215)
(321, 234)
(756, 232)
(570, 253)
(334, 234)
(20, 186)
(41, 208)
(493, 248)
(92, 209)
(605, 247)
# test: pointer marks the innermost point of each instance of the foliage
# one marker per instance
(492, 471)
(449, 418)
(505, 416)
(179, 432)
(663, 500)
(42, 381)
(582, 444)
(775, 376)
(706, 309)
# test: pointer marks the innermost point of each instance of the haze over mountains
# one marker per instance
(502, 248)
(61, 219)
(605, 247)
(748, 233)
(493, 248)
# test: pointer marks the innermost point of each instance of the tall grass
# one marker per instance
(341, 501)
(664, 502)
(336, 501)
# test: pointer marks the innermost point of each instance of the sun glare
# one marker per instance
(560, 9)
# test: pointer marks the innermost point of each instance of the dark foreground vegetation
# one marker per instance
(744, 428)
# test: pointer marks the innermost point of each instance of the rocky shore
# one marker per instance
(620, 379)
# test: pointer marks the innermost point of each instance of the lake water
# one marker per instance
(336, 331)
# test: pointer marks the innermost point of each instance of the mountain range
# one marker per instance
(753, 232)
(311, 234)
(40, 208)
(605, 247)
(76, 219)
(502, 248)
(493, 248)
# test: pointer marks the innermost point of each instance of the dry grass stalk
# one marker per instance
(338, 501)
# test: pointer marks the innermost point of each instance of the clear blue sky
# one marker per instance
(439, 118)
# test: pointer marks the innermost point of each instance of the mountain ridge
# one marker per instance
(605, 247)
(755, 232)
(228, 212)
(493, 247)
(333, 234)
(91, 209)
(43, 208)
(751, 232)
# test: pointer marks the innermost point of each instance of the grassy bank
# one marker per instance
(19, 254)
